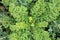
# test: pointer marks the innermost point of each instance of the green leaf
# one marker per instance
(42, 24)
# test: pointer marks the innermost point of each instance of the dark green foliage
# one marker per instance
(55, 26)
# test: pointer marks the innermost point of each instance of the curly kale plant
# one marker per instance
(28, 19)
